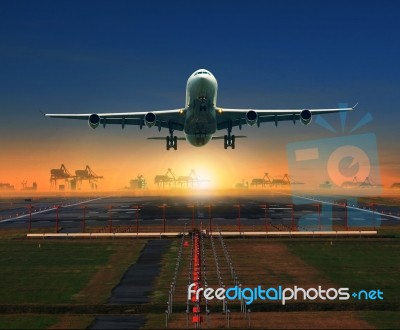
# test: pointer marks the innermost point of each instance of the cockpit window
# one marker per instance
(202, 72)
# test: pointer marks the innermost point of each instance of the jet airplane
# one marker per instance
(200, 118)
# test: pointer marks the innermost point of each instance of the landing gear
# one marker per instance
(229, 141)
(172, 141)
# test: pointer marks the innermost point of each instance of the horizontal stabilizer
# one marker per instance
(222, 137)
(163, 138)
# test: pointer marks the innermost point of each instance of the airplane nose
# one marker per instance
(202, 81)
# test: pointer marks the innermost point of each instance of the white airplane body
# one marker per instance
(200, 119)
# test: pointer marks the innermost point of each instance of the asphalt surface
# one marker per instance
(137, 283)
(118, 322)
(135, 287)
(119, 213)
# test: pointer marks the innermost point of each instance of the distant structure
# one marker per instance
(326, 185)
(138, 183)
(6, 187)
(395, 185)
(367, 183)
(263, 182)
(268, 181)
(242, 185)
(285, 181)
(59, 174)
(85, 175)
(168, 178)
(190, 181)
(184, 181)
(73, 181)
(351, 184)
(29, 188)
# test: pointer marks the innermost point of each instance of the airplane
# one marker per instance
(201, 118)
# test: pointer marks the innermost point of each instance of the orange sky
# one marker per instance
(119, 158)
(120, 155)
(124, 161)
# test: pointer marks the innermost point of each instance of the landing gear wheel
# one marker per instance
(171, 142)
(229, 141)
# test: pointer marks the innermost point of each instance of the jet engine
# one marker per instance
(150, 119)
(305, 117)
(251, 117)
(94, 120)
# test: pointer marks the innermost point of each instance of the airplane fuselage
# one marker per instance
(200, 108)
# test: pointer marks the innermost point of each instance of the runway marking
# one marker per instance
(348, 206)
(50, 209)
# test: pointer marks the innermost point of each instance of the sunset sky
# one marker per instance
(103, 56)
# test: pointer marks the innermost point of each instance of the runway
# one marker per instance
(269, 211)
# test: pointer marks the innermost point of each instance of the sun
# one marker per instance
(206, 179)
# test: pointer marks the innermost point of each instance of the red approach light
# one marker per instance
(196, 319)
(186, 244)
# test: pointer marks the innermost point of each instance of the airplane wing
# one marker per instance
(237, 117)
(173, 119)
